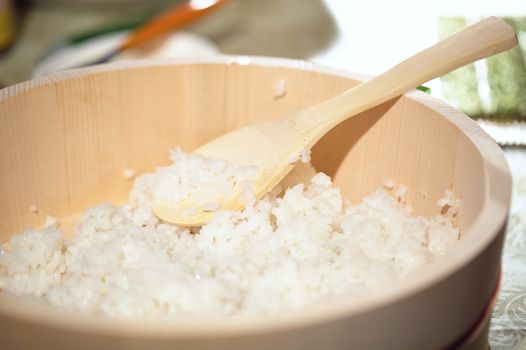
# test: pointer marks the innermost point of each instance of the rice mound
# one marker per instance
(289, 250)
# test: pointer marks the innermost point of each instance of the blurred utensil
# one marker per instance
(176, 44)
(173, 18)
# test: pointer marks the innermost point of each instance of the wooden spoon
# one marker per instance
(271, 145)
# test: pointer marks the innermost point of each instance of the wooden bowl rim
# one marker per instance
(488, 224)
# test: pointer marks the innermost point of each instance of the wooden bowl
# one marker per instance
(66, 138)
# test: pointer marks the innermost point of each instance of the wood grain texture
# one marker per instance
(65, 140)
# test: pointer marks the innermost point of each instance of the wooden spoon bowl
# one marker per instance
(271, 145)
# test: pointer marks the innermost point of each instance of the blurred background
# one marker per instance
(41, 36)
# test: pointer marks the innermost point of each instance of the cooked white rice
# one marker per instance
(292, 251)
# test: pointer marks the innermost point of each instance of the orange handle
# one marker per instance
(173, 18)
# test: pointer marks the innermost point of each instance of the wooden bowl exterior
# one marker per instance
(66, 138)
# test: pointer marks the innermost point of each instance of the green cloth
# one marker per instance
(460, 87)
(506, 78)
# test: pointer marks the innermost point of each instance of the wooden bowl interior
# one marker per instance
(64, 144)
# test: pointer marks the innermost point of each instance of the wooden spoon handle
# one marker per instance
(485, 38)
